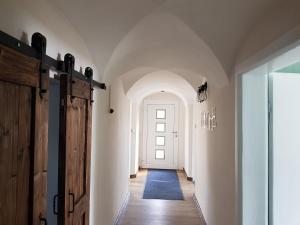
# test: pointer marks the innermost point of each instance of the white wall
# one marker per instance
(189, 131)
(32, 16)
(215, 158)
(285, 157)
(111, 155)
(253, 153)
(181, 125)
(132, 140)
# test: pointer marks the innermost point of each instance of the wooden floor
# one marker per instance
(160, 212)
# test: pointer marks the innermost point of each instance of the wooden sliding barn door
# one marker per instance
(23, 140)
(75, 151)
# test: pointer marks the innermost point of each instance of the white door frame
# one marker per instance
(145, 131)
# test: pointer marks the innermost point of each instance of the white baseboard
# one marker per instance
(199, 209)
(122, 209)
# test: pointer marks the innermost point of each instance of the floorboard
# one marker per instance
(160, 212)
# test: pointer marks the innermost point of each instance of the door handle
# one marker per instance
(44, 221)
(73, 202)
(175, 133)
(55, 212)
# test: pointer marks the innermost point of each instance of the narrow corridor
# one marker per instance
(204, 90)
(160, 212)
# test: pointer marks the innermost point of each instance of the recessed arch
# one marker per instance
(148, 85)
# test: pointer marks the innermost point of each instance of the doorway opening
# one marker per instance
(162, 124)
(163, 132)
(160, 137)
(269, 155)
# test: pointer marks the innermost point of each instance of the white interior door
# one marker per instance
(160, 135)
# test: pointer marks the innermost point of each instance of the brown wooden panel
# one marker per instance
(15, 123)
(40, 158)
(80, 88)
(18, 68)
(8, 146)
(75, 150)
(23, 140)
(76, 147)
(78, 151)
(23, 153)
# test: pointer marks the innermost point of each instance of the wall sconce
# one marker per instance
(202, 93)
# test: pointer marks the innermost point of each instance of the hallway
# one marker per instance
(93, 90)
(160, 212)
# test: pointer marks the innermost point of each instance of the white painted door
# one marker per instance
(160, 135)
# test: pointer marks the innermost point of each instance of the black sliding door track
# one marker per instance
(54, 64)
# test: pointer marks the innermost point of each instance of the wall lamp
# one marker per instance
(202, 93)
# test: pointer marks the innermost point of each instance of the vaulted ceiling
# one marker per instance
(192, 38)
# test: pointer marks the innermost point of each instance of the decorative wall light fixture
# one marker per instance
(213, 119)
(202, 93)
(209, 119)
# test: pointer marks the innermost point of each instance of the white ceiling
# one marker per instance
(161, 80)
(188, 37)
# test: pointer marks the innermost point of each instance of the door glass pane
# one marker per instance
(160, 114)
(160, 154)
(160, 127)
(160, 140)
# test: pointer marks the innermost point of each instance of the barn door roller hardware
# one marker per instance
(35, 50)
(69, 62)
(39, 43)
(89, 75)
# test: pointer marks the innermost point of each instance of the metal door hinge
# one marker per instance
(269, 111)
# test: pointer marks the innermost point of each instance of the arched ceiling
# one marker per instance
(160, 81)
(118, 33)
(152, 43)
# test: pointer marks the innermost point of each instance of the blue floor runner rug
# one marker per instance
(162, 184)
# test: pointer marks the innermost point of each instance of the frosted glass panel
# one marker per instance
(160, 154)
(255, 147)
(160, 114)
(160, 141)
(286, 149)
(160, 127)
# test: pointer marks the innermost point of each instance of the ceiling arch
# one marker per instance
(134, 75)
(153, 44)
(161, 81)
(221, 26)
